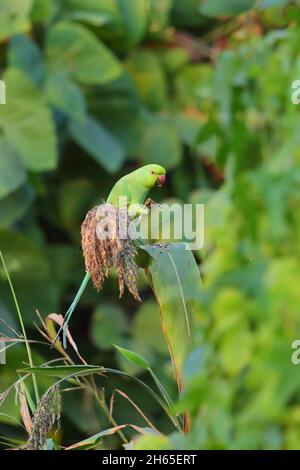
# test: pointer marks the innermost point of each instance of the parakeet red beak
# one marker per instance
(161, 180)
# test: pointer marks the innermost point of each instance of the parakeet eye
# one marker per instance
(152, 172)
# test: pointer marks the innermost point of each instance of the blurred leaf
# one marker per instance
(226, 7)
(14, 17)
(147, 73)
(12, 173)
(193, 364)
(146, 327)
(133, 357)
(188, 127)
(103, 146)
(65, 95)
(119, 109)
(9, 321)
(75, 198)
(134, 13)
(63, 371)
(91, 17)
(42, 10)
(31, 276)
(14, 356)
(152, 443)
(25, 55)
(31, 134)
(73, 48)
(93, 441)
(271, 3)
(161, 145)
(108, 325)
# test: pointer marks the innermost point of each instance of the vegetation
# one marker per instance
(94, 90)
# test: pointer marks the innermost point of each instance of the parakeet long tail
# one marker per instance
(71, 309)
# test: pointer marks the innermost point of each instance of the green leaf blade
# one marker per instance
(73, 48)
(133, 357)
(30, 131)
(176, 282)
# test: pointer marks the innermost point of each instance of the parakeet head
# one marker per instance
(150, 175)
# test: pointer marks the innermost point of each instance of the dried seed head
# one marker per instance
(107, 241)
(48, 411)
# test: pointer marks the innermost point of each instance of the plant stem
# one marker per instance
(101, 399)
(161, 388)
(35, 386)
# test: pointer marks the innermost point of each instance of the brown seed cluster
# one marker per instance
(107, 241)
(48, 411)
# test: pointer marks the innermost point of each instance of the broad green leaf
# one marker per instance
(29, 130)
(103, 146)
(14, 17)
(188, 127)
(144, 67)
(160, 144)
(134, 14)
(226, 7)
(12, 173)
(25, 55)
(73, 48)
(133, 357)
(65, 95)
(108, 325)
(119, 109)
(122, 21)
(175, 279)
(93, 441)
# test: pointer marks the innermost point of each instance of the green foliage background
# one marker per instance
(98, 87)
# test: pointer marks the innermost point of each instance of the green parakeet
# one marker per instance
(133, 190)
(135, 187)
